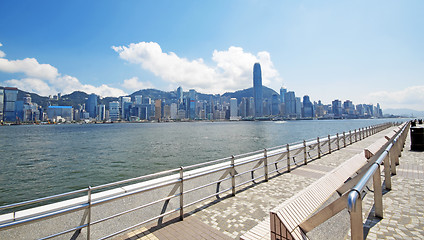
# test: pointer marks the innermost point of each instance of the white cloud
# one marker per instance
(2, 54)
(45, 79)
(134, 84)
(410, 98)
(233, 69)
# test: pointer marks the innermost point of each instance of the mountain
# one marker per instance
(267, 93)
(404, 112)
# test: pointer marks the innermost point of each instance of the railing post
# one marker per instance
(329, 144)
(233, 177)
(338, 143)
(393, 158)
(378, 193)
(181, 193)
(89, 213)
(355, 210)
(304, 152)
(344, 139)
(356, 138)
(319, 148)
(288, 158)
(266, 165)
(387, 171)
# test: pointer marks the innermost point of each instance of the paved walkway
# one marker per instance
(231, 217)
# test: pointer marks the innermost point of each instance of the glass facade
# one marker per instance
(257, 90)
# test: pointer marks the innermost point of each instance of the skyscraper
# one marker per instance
(91, 105)
(10, 97)
(257, 90)
(233, 109)
(1, 103)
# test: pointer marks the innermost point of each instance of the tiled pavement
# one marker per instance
(230, 217)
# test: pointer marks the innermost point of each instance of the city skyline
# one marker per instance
(325, 50)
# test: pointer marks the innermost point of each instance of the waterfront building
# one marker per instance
(173, 111)
(275, 102)
(348, 108)
(114, 110)
(298, 105)
(158, 110)
(283, 96)
(91, 105)
(1, 103)
(180, 95)
(56, 113)
(192, 104)
(257, 90)
(251, 107)
(122, 101)
(337, 108)
(308, 108)
(233, 109)
(181, 114)
(138, 99)
(101, 112)
(30, 112)
(290, 105)
(10, 97)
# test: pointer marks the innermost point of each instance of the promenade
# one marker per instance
(231, 217)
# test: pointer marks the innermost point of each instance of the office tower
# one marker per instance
(251, 107)
(192, 104)
(114, 110)
(101, 112)
(10, 97)
(257, 90)
(337, 108)
(174, 110)
(59, 113)
(158, 110)
(308, 111)
(1, 103)
(275, 102)
(348, 107)
(180, 95)
(124, 106)
(91, 105)
(298, 107)
(138, 99)
(233, 109)
(283, 96)
(290, 104)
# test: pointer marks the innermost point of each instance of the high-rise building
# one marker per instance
(91, 105)
(55, 113)
(275, 102)
(10, 97)
(298, 107)
(233, 109)
(290, 105)
(257, 90)
(158, 109)
(180, 95)
(138, 99)
(114, 110)
(174, 110)
(192, 104)
(1, 103)
(308, 110)
(101, 112)
(337, 108)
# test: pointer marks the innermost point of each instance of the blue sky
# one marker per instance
(364, 51)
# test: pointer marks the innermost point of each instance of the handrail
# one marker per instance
(355, 196)
(315, 147)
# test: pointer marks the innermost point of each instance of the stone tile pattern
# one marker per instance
(403, 214)
(233, 216)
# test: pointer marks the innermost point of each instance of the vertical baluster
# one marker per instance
(319, 148)
(329, 144)
(89, 213)
(266, 164)
(288, 158)
(304, 152)
(181, 193)
(233, 176)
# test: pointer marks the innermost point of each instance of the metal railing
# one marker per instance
(389, 156)
(182, 185)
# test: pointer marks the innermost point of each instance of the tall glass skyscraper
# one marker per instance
(257, 90)
(91, 105)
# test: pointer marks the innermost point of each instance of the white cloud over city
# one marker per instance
(232, 68)
(408, 98)
(45, 79)
(134, 84)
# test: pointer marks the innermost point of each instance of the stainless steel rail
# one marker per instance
(263, 160)
(387, 156)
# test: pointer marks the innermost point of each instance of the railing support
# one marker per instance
(387, 171)
(181, 193)
(319, 148)
(266, 165)
(338, 143)
(288, 158)
(329, 144)
(233, 176)
(89, 213)
(355, 210)
(344, 139)
(304, 152)
(378, 193)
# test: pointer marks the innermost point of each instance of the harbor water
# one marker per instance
(42, 160)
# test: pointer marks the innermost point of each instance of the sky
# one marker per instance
(364, 51)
